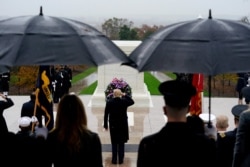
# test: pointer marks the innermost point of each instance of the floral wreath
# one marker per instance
(117, 84)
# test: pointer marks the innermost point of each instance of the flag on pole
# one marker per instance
(44, 95)
(196, 101)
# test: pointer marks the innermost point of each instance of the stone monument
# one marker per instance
(135, 79)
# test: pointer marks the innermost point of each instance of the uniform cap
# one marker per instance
(238, 109)
(205, 117)
(24, 121)
(177, 93)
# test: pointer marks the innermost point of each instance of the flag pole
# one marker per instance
(35, 108)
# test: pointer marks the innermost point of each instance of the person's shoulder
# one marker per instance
(29, 102)
(150, 139)
(231, 133)
(245, 115)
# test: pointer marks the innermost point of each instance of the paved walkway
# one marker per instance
(143, 121)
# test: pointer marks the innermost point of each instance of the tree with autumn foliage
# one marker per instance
(111, 27)
(27, 76)
(123, 29)
(145, 30)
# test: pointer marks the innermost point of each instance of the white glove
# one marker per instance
(41, 132)
(34, 119)
(211, 131)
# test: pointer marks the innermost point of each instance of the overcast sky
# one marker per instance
(139, 11)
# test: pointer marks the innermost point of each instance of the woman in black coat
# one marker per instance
(116, 114)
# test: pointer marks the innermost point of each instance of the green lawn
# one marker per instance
(151, 82)
(84, 74)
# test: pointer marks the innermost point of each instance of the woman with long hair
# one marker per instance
(71, 143)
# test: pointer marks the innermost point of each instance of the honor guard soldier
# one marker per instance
(4, 82)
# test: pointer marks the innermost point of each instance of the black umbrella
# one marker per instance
(208, 46)
(47, 40)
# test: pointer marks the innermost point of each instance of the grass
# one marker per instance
(90, 89)
(84, 74)
(151, 82)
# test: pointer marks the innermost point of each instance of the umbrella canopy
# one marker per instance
(47, 40)
(208, 46)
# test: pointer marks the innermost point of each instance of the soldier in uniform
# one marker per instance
(226, 140)
(176, 143)
(62, 82)
(4, 82)
(69, 74)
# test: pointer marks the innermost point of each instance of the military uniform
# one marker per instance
(226, 140)
(176, 144)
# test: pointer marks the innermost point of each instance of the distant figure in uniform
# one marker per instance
(62, 82)
(226, 140)
(242, 82)
(5, 103)
(176, 144)
(186, 77)
(4, 82)
(69, 73)
(246, 94)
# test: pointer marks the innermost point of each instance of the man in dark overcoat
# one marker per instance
(176, 144)
(116, 115)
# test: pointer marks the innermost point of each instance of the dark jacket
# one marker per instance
(225, 148)
(176, 145)
(29, 147)
(116, 115)
(4, 105)
(241, 82)
(89, 155)
(28, 110)
(242, 144)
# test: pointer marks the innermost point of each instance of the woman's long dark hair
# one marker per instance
(71, 122)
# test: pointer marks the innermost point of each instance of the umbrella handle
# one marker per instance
(209, 100)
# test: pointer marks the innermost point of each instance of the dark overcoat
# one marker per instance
(116, 114)
(28, 110)
(176, 145)
(242, 144)
(225, 148)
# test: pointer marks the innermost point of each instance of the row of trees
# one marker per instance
(123, 29)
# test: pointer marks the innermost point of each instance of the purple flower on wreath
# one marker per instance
(117, 84)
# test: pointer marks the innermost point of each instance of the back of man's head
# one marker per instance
(33, 96)
(177, 94)
(222, 122)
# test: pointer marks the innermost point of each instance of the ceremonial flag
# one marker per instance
(44, 95)
(196, 101)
